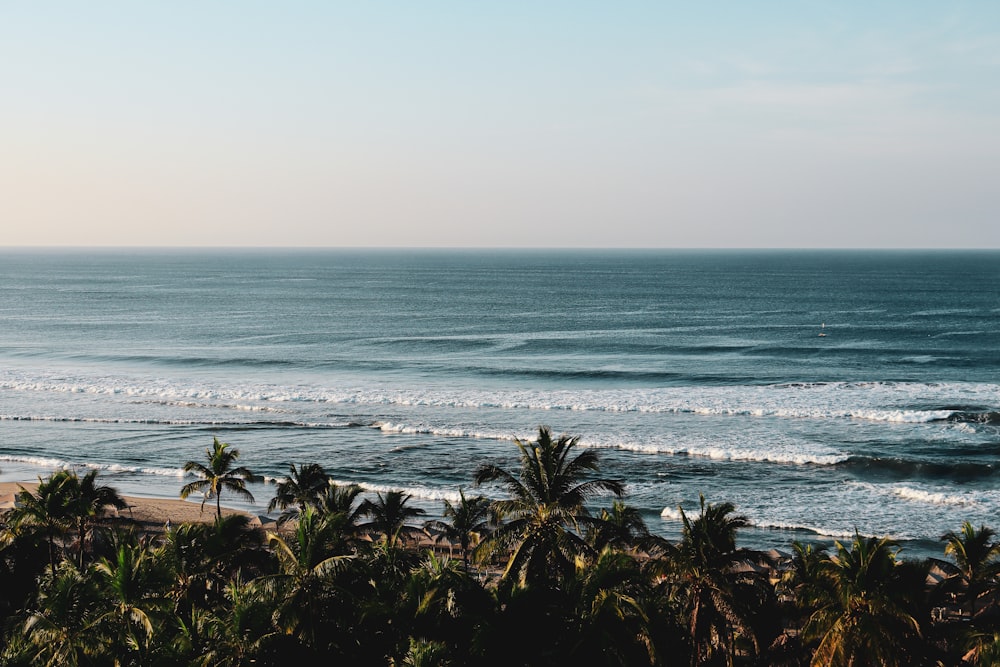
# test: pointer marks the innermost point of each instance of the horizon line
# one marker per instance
(69, 247)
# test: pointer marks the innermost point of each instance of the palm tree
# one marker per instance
(49, 510)
(545, 508)
(60, 630)
(720, 600)
(389, 515)
(974, 575)
(621, 527)
(338, 504)
(203, 557)
(864, 613)
(612, 625)
(305, 564)
(465, 522)
(301, 488)
(133, 582)
(449, 609)
(89, 500)
(219, 474)
(237, 632)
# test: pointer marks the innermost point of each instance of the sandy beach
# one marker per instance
(151, 514)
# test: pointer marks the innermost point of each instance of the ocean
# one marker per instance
(821, 392)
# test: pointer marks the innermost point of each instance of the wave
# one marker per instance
(893, 402)
(787, 455)
(974, 417)
(181, 422)
(674, 515)
(421, 492)
(883, 467)
(796, 453)
(936, 496)
(61, 464)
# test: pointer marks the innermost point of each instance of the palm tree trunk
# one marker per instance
(218, 505)
(52, 550)
(82, 528)
(696, 656)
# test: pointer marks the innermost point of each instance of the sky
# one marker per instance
(669, 124)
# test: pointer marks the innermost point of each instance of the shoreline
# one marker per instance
(151, 514)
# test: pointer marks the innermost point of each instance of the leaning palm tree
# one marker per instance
(466, 521)
(301, 488)
(219, 474)
(545, 507)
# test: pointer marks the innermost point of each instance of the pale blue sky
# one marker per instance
(628, 124)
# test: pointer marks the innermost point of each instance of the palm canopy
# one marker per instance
(389, 515)
(49, 510)
(301, 488)
(864, 613)
(89, 500)
(718, 600)
(465, 522)
(219, 474)
(710, 539)
(546, 505)
(549, 476)
(976, 571)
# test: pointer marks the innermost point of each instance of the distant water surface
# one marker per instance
(821, 392)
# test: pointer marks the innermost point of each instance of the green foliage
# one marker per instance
(545, 509)
(864, 609)
(220, 474)
(565, 587)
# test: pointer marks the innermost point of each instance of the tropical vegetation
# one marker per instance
(534, 571)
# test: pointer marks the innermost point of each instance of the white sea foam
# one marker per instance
(817, 530)
(671, 514)
(61, 464)
(872, 401)
(935, 498)
(421, 492)
(933, 495)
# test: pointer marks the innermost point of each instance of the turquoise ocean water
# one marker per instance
(821, 392)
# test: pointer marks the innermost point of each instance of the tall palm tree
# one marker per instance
(301, 488)
(49, 510)
(89, 500)
(720, 601)
(974, 575)
(466, 521)
(545, 508)
(219, 474)
(389, 515)
(863, 616)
